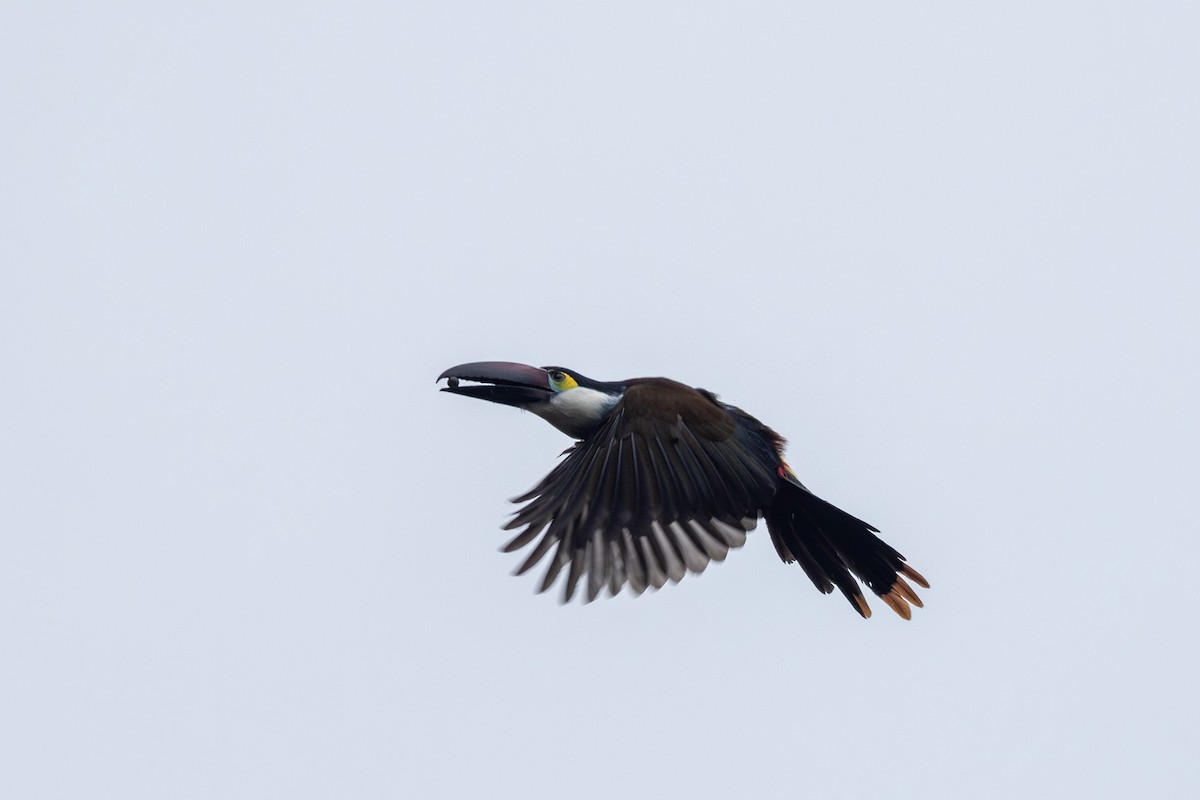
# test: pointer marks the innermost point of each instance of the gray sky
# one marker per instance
(249, 551)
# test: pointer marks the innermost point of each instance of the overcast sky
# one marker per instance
(247, 550)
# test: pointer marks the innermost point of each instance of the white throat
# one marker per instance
(577, 412)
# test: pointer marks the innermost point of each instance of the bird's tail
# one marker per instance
(833, 548)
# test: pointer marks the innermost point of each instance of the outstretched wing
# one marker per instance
(672, 481)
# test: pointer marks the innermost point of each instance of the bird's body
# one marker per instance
(666, 478)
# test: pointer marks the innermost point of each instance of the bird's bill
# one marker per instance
(499, 382)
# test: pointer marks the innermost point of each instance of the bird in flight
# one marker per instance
(665, 478)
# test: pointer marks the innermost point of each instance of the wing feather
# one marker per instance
(650, 497)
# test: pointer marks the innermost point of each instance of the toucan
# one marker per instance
(663, 480)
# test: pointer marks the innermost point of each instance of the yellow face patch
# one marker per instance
(561, 381)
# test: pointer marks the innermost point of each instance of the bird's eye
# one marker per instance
(560, 381)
